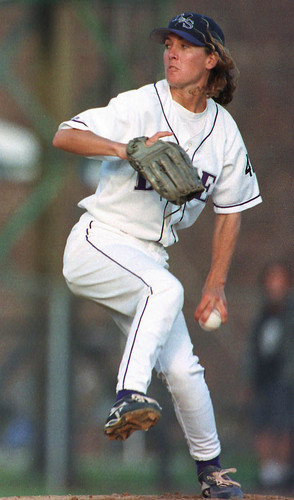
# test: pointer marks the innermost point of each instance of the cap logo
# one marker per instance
(187, 22)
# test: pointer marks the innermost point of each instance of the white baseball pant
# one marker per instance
(131, 278)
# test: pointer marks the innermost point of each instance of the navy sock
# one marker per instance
(203, 463)
(125, 392)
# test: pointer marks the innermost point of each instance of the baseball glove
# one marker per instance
(167, 167)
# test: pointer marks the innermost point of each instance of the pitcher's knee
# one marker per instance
(179, 293)
(181, 374)
(172, 293)
(69, 275)
(72, 285)
(74, 281)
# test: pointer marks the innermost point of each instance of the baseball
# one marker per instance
(213, 322)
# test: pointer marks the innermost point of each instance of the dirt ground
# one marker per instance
(127, 496)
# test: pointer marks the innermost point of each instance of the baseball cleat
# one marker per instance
(215, 483)
(135, 412)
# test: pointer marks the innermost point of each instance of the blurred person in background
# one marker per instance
(269, 374)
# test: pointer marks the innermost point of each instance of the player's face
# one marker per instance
(185, 64)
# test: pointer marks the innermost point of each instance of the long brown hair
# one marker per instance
(222, 81)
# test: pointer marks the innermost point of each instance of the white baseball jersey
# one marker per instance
(125, 201)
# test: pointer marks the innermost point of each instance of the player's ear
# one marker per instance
(212, 60)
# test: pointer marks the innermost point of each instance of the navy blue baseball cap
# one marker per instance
(196, 28)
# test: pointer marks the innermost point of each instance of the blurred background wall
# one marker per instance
(59, 355)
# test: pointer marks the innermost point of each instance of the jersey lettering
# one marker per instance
(249, 169)
(142, 184)
(207, 180)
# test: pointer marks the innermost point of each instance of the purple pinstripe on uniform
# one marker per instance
(136, 276)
